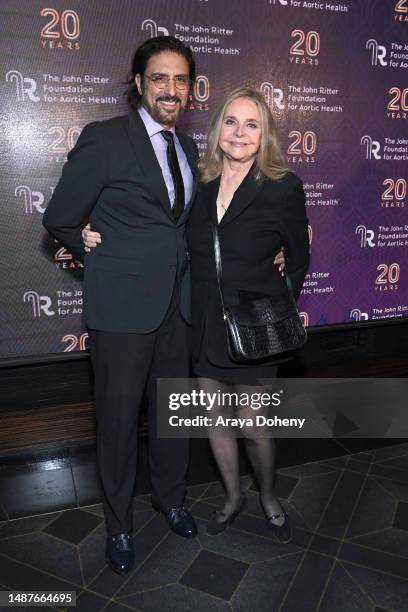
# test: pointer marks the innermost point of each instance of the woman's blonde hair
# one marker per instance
(269, 160)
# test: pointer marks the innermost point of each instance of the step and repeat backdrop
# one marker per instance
(335, 76)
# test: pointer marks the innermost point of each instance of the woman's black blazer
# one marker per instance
(261, 218)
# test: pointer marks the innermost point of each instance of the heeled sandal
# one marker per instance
(283, 533)
(215, 527)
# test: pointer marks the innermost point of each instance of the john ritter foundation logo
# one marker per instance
(61, 29)
(273, 95)
(372, 147)
(33, 200)
(25, 87)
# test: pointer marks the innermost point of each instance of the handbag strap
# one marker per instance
(218, 267)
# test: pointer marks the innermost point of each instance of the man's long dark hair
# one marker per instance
(151, 47)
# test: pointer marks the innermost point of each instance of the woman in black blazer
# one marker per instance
(258, 206)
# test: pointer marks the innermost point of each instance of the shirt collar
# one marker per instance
(151, 125)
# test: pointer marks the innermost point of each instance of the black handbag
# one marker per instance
(260, 328)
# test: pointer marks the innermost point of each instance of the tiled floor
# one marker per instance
(349, 552)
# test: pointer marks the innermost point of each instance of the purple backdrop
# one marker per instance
(335, 76)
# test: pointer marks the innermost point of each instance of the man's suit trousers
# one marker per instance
(125, 366)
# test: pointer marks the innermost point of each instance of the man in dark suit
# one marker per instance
(134, 178)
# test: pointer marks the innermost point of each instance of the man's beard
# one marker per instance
(162, 116)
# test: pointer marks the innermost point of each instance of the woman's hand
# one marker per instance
(278, 261)
(91, 239)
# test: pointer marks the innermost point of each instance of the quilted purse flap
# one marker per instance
(263, 311)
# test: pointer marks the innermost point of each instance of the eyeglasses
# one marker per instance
(161, 81)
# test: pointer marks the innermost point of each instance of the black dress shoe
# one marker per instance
(216, 525)
(179, 519)
(282, 533)
(119, 553)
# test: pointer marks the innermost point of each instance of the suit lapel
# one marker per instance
(209, 193)
(192, 162)
(146, 156)
(242, 198)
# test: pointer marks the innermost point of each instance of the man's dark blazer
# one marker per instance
(260, 219)
(112, 177)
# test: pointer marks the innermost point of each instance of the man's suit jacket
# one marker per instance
(260, 219)
(112, 177)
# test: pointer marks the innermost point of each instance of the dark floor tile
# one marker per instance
(374, 559)
(337, 462)
(146, 538)
(312, 495)
(169, 560)
(379, 469)
(113, 606)
(367, 457)
(176, 598)
(361, 445)
(374, 511)
(342, 593)
(89, 602)
(265, 584)
(337, 514)
(400, 463)
(401, 517)
(73, 526)
(20, 577)
(214, 490)
(117, 607)
(394, 541)
(86, 477)
(196, 491)
(362, 467)
(214, 574)
(137, 505)
(389, 592)
(37, 489)
(325, 545)
(307, 469)
(18, 527)
(297, 450)
(92, 554)
(200, 509)
(96, 509)
(284, 485)
(388, 452)
(45, 553)
(397, 489)
(306, 590)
